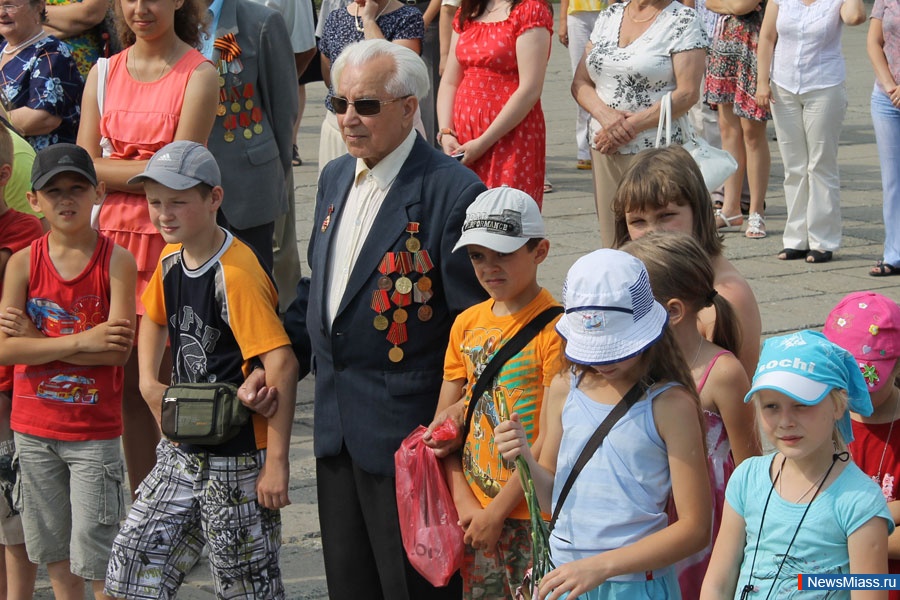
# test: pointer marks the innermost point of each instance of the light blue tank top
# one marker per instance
(620, 496)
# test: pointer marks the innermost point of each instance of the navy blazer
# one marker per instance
(362, 399)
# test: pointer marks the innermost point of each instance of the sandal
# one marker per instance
(883, 269)
(756, 229)
(583, 164)
(548, 187)
(295, 159)
(819, 256)
(725, 223)
(791, 254)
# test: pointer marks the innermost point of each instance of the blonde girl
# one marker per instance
(663, 190)
(682, 279)
(158, 90)
(612, 537)
(806, 508)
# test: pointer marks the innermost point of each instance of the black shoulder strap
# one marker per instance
(509, 349)
(618, 411)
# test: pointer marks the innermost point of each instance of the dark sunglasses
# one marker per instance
(365, 107)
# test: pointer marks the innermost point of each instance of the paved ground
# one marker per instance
(791, 295)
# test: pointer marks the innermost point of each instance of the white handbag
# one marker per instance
(716, 165)
(105, 145)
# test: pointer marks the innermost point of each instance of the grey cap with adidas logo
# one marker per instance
(180, 166)
(61, 158)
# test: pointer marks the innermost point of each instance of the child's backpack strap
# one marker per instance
(509, 349)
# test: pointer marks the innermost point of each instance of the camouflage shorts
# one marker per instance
(496, 574)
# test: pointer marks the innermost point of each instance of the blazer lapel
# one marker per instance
(391, 221)
(334, 207)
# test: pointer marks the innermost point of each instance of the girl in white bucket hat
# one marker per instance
(610, 535)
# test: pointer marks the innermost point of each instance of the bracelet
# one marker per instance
(445, 131)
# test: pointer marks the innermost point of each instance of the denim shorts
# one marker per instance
(71, 497)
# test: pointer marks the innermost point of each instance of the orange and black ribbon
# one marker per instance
(228, 47)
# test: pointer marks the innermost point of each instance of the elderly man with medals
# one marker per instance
(373, 319)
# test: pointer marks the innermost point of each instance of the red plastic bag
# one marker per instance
(432, 537)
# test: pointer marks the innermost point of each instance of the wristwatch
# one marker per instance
(443, 132)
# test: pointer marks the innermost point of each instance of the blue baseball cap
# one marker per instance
(806, 367)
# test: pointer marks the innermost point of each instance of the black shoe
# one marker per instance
(296, 160)
(819, 256)
(791, 254)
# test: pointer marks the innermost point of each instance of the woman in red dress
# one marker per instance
(489, 101)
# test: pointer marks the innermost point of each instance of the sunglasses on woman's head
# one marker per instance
(365, 107)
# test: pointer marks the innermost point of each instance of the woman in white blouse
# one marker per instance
(808, 102)
(638, 51)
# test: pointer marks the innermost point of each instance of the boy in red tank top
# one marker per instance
(67, 323)
(17, 230)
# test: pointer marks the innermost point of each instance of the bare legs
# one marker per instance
(746, 140)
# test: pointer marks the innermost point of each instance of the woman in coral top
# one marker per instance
(489, 101)
(158, 90)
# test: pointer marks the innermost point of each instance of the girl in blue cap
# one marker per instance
(805, 509)
(610, 535)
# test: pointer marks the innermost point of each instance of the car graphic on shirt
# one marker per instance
(50, 318)
(69, 388)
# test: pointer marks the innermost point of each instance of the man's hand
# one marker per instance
(256, 396)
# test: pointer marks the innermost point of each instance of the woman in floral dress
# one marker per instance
(638, 51)
(731, 87)
(40, 82)
(489, 101)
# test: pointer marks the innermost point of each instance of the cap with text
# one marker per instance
(501, 219)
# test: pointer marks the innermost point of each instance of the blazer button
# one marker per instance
(338, 367)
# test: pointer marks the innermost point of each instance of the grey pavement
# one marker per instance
(792, 295)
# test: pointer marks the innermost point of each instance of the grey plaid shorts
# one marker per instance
(192, 499)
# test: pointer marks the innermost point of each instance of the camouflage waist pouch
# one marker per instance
(202, 413)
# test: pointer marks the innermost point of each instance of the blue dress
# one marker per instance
(44, 76)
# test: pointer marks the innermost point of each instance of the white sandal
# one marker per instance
(756, 228)
(730, 223)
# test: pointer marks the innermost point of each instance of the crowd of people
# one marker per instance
(150, 269)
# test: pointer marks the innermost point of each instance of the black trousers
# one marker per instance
(364, 556)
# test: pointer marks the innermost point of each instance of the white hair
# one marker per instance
(408, 78)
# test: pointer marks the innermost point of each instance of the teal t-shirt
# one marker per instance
(821, 544)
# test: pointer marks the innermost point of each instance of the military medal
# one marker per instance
(245, 123)
(405, 265)
(235, 100)
(256, 117)
(221, 68)
(413, 244)
(327, 220)
(422, 297)
(248, 96)
(220, 108)
(380, 303)
(422, 292)
(386, 267)
(229, 123)
(401, 300)
(396, 336)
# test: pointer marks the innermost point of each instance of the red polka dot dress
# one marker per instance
(490, 74)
